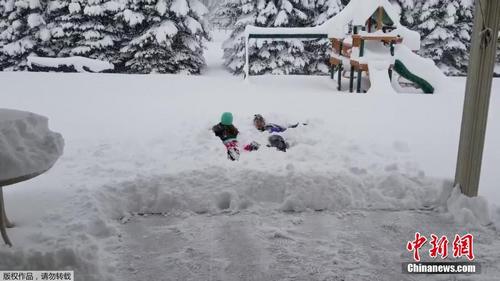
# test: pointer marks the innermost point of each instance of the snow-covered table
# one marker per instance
(27, 149)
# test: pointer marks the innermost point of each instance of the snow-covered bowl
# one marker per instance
(27, 145)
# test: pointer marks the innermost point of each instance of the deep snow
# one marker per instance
(377, 166)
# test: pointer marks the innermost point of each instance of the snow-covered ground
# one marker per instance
(366, 173)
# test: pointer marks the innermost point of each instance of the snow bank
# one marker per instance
(81, 64)
(27, 145)
(217, 189)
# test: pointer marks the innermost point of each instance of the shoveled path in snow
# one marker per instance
(350, 245)
(213, 55)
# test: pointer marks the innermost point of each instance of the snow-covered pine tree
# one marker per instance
(3, 26)
(85, 28)
(445, 27)
(169, 36)
(227, 13)
(22, 28)
(212, 8)
(326, 9)
(268, 56)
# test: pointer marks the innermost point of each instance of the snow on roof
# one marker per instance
(357, 11)
(411, 38)
(364, 9)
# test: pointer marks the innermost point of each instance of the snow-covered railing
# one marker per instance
(253, 32)
(77, 63)
(288, 36)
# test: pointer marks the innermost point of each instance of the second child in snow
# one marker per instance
(261, 125)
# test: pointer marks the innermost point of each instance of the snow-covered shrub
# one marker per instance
(166, 36)
(445, 27)
(290, 56)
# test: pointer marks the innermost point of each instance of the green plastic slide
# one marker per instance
(401, 69)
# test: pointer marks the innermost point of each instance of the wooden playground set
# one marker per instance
(365, 38)
(341, 56)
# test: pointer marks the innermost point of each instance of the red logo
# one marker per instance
(415, 245)
(462, 246)
(439, 247)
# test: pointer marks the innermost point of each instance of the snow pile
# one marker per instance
(80, 64)
(27, 146)
(468, 211)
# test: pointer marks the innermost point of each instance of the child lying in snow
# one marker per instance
(260, 124)
(274, 140)
(228, 133)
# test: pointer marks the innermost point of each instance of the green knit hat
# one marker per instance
(226, 118)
